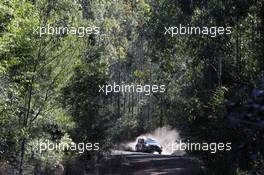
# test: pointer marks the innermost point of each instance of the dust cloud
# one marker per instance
(165, 136)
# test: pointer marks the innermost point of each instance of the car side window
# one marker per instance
(140, 140)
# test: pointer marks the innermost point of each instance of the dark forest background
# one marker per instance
(49, 84)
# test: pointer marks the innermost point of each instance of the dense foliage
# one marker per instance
(50, 84)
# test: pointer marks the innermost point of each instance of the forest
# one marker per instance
(105, 72)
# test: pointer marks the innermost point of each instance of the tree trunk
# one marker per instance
(161, 112)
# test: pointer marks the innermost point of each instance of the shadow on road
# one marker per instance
(148, 164)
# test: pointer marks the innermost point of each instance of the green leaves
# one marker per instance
(217, 103)
(139, 74)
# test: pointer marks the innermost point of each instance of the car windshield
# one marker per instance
(149, 140)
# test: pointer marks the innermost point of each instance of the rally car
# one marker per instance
(148, 145)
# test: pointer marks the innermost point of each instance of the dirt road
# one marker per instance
(125, 162)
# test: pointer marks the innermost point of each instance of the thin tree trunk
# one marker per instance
(25, 123)
(129, 104)
(124, 107)
(161, 112)
(22, 155)
(132, 107)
